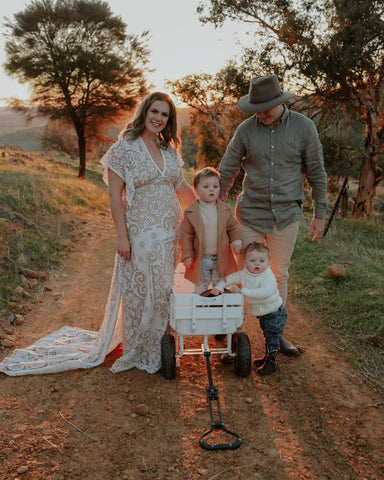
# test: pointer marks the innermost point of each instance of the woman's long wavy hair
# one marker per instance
(168, 135)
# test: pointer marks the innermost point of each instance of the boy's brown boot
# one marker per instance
(259, 362)
(270, 364)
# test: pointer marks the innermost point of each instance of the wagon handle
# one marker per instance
(213, 395)
(220, 446)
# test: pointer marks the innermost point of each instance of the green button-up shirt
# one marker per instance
(275, 161)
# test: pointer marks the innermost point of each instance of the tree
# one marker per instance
(59, 137)
(189, 148)
(81, 65)
(334, 52)
(214, 114)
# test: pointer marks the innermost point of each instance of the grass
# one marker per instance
(351, 307)
(41, 199)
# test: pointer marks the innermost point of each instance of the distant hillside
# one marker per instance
(15, 130)
(27, 139)
(11, 121)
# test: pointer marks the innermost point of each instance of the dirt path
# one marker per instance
(313, 419)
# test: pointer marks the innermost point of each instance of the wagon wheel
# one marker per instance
(243, 358)
(168, 358)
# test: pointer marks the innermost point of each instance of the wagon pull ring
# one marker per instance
(213, 395)
(220, 446)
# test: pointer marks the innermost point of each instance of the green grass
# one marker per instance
(41, 199)
(352, 307)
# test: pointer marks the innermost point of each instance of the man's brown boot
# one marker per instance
(287, 348)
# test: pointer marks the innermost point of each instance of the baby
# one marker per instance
(259, 287)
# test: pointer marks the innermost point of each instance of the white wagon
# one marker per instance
(206, 316)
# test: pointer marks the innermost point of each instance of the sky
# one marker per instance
(180, 45)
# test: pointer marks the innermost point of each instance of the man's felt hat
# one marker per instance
(264, 93)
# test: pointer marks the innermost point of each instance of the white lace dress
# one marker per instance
(137, 310)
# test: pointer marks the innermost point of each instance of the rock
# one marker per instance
(8, 342)
(373, 339)
(202, 471)
(19, 319)
(336, 271)
(22, 260)
(317, 280)
(22, 469)
(141, 409)
(32, 283)
(19, 291)
(33, 274)
(24, 281)
(27, 307)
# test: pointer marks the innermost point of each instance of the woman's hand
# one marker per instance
(186, 193)
(123, 248)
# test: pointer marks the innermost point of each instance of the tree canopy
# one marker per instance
(214, 114)
(80, 64)
(329, 51)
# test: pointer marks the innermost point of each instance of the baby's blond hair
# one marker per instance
(260, 247)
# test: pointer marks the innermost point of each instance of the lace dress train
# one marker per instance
(137, 310)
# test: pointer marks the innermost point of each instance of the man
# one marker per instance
(277, 148)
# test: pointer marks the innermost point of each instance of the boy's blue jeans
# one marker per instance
(273, 325)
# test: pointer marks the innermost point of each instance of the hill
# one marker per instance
(16, 130)
(26, 139)
(11, 122)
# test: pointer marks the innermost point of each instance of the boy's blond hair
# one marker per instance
(260, 247)
(207, 172)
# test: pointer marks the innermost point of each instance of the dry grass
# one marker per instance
(41, 201)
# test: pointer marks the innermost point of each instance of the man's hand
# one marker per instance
(316, 227)
(236, 248)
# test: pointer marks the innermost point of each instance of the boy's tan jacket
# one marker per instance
(193, 243)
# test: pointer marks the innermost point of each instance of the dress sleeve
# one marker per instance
(117, 158)
(180, 160)
(178, 177)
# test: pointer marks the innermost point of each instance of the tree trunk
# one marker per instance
(366, 191)
(82, 152)
(370, 173)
